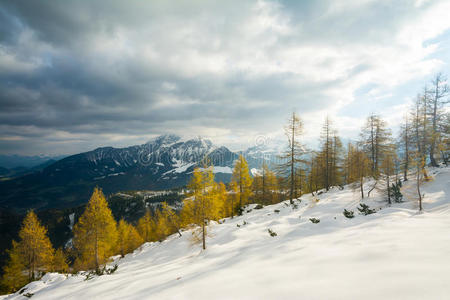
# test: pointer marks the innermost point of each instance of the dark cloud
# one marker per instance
(78, 74)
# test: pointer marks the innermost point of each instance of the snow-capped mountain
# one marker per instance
(164, 162)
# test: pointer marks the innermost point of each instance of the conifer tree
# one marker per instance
(60, 263)
(388, 169)
(200, 207)
(359, 168)
(128, 238)
(220, 201)
(435, 103)
(292, 157)
(173, 219)
(13, 276)
(375, 138)
(405, 146)
(242, 179)
(35, 246)
(95, 234)
(146, 227)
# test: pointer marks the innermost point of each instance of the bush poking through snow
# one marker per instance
(259, 206)
(396, 194)
(272, 233)
(276, 210)
(100, 272)
(314, 220)
(238, 225)
(365, 210)
(294, 206)
(348, 213)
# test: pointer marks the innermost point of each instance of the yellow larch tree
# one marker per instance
(95, 234)
(128, 238)
(146, 227)
(241, 177)
(199, 208)
(173, 220)
(220, 201)
(35, 246)
(13, 277)
(60, 263)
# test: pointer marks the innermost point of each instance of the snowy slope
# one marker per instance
(395, 253)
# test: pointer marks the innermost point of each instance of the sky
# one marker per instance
(77, 75)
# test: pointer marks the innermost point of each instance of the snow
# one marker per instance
(396, 253)
(255, 172)
(219, 169)
(71, 220)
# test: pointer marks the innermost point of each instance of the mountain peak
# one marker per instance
(165, 139)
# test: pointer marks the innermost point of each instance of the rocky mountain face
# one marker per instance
(163, 163)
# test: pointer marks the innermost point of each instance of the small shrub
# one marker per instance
(396, 194)
(112, 270)
(348, 213)
(259, 206)
(294, 206)
(28, 295)
(276, 210)
(314, 220)
(272, 233)
(365, 210)
(249, 210)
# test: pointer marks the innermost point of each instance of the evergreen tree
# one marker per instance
(95, 234)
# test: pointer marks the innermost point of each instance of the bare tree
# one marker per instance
(292, 156)
(435, 102)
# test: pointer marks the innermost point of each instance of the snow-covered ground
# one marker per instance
(395, 253)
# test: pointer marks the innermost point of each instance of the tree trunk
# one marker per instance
(203, 235)
(418, 188)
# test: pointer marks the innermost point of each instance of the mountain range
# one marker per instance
(165, 162)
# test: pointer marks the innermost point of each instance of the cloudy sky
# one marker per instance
(75, 75)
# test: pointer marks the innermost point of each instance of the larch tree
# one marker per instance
(60, 262)
(95, 234)
(327, 149)
(388, 169)
(29, 257)
(35, 246)
(359, 168)
(146, 227)
(200, 206)
(173, 219)
(13, 272)
(405, 146)
(292, 157)
(375, 140)
(128, 238)
(242, 179)
(438, 94)
(220, 200)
